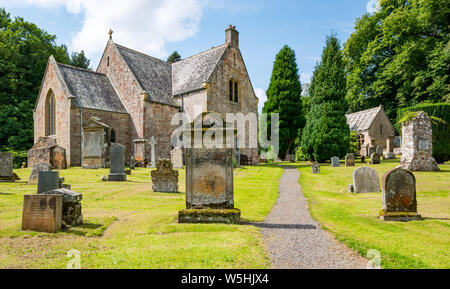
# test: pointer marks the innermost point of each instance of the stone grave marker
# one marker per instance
(315, 168)
(417, 144)
(40, 167)
(379, 150)
(117, 169)
(399, 201)
(48, 181)
(165, 178)
(177, 158)
(6, 167)
(152, 143)
(350, 160)
(71, 206)
(132, 163)
(365, 180)
(335, 162)
(375, 159)
(42, 213)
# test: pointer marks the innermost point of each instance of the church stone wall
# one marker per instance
(62, 110)
(119, 122)
(233, 67)
(195, 100)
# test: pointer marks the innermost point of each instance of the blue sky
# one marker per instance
(158, 27)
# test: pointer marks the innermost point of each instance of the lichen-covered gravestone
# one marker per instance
(42, 213)
(6, 167)
(399, 201)
(315, 168)
(40, 167)
(335, 162)
(417, 144)
(117, 169)
(93, 144)
(379, 150)
(165, 178)
(177, 158)
(350, 160)
(365, 180)
(71, 206)
(375, 159)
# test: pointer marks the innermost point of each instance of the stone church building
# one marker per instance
(136, 95)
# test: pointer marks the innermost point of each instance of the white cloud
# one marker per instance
(305, 77)
(144, 25)
(373, 6)
(261, 94)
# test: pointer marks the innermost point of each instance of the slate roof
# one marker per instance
(362, 120)
(91, 89)
(154, 75)
(189, 74)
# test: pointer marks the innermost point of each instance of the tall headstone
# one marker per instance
(365, 180)
(209, 177)
(40, 167)
(335, 162)
(350, 160)
(390, 145)
(177, 158)
(399, 201)
(315, 168)
(48, 181)
(374, 159)
(417, 144)
(152, 142)
(93, 144)
(117, 167)
(6, 167)
(165, 178)
(42, 213)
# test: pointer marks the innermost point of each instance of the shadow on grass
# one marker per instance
(5, 194)
(283, 226)
(82, 230)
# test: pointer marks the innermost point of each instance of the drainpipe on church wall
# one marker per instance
(81, 136)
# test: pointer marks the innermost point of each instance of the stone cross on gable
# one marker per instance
(152, 143)
(110, 34)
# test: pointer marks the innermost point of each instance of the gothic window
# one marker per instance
(231, 90)
(50, 114)
(113, 136)
(381, 129)
(236, 92)
(107, 62)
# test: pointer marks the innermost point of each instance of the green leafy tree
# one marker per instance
(79, 59)
(326, 133)
(400, 56)
(354, 143)
(284, 97)
(24, 51)
(174, 57)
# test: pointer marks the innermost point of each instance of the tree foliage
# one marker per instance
(79, 59)
(174, 57)
(400, 56)
(284, 98)
(326, 133)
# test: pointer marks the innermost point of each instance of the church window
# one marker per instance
(50, 113)
(381, 129)
(231, 90)
(236, 92)
(107, 62)
(113, 136)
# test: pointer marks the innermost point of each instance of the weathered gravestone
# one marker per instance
(40, 167)
(335, 162)
(117, 169)
(48, 181)
(399, 196)
(93, 141)
(379, 150)
(374, 159)
(6, 167)
(42, 213)
(209, 177)
(350, 160)
(390, 145)
(152, 142)
(365, 180)
(165, 178)
(132, 163)
(71, 206)
(177, 158)
(315, 168)
(372, 147)
(417, 144)
(46, 150)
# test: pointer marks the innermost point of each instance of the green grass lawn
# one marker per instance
(129, 226)
(353, 219)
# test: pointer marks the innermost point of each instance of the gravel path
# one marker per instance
(294, 240)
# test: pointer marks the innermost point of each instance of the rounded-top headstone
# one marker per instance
(335, 162)
(366, 180)
(315, 168)
(399, 191)
(375, 159)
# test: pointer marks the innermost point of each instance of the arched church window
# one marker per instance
(50, 113)
(113, 136)
(236, 92)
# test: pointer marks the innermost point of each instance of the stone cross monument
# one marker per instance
(152, 142)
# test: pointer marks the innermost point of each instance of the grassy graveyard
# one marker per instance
(353, 218)
(129, 226)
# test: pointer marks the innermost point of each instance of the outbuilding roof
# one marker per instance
(362, 120)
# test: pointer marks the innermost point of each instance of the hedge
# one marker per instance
(441, 132)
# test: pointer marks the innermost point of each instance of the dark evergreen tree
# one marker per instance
(284, 97)
(79, 59)
(326, 133)
(174, 57)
